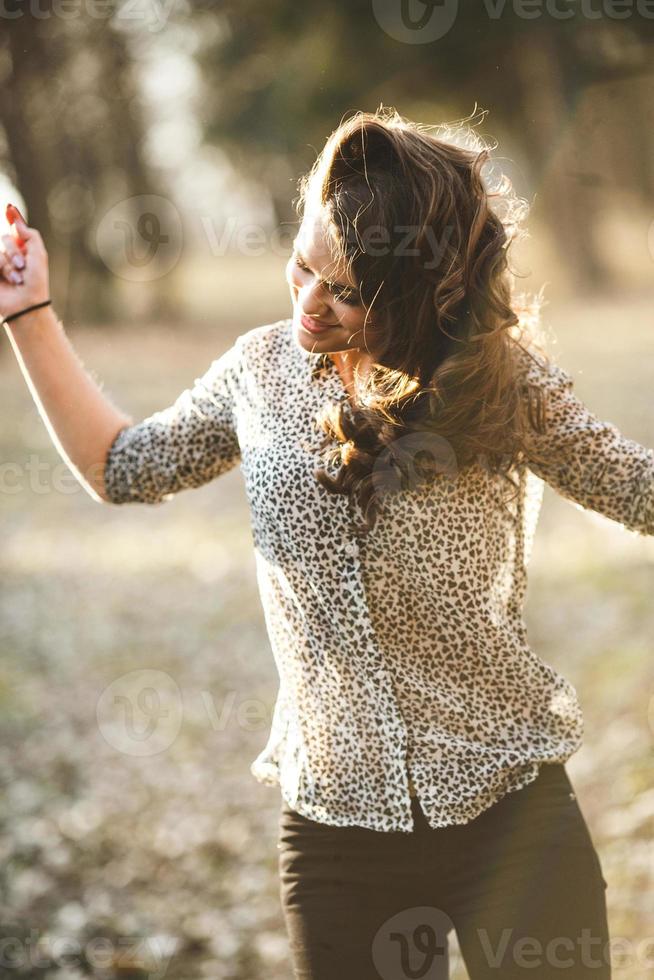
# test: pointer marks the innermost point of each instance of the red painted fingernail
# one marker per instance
(12, 214)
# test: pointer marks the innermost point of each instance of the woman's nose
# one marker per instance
(312, 300)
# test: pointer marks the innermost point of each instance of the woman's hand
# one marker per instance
(24, 279)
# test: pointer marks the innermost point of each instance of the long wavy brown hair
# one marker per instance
(422, 223)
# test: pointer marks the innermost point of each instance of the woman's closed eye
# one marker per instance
(350, 297)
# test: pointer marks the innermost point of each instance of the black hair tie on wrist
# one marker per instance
(37, 306)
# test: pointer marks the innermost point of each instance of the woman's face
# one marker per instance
(323, 295)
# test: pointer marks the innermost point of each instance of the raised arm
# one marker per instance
(585, 459)
(114, 458)
(80, 419)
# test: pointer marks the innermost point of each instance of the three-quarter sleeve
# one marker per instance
(585, 459)
(185, 445)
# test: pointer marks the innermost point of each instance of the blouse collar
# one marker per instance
(322, 367)
(318, 363)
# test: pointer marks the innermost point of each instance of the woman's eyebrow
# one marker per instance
(327, 282)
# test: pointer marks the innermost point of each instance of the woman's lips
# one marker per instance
(313, 326)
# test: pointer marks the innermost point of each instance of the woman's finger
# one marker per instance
(9, 272)
(12, 251)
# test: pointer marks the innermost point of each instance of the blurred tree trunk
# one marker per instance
(640, 118)
(28, 155)
(40, 151)
(65, 142)
(568, 204)
(128, 126)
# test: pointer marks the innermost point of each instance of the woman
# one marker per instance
(392, 435)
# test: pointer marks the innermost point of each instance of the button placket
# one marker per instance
(396, 720)
(373, 659)
(372, 655)
(387, 700)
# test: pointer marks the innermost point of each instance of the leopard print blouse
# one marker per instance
(403, 660)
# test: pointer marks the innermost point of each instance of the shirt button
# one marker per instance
(351, 549)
